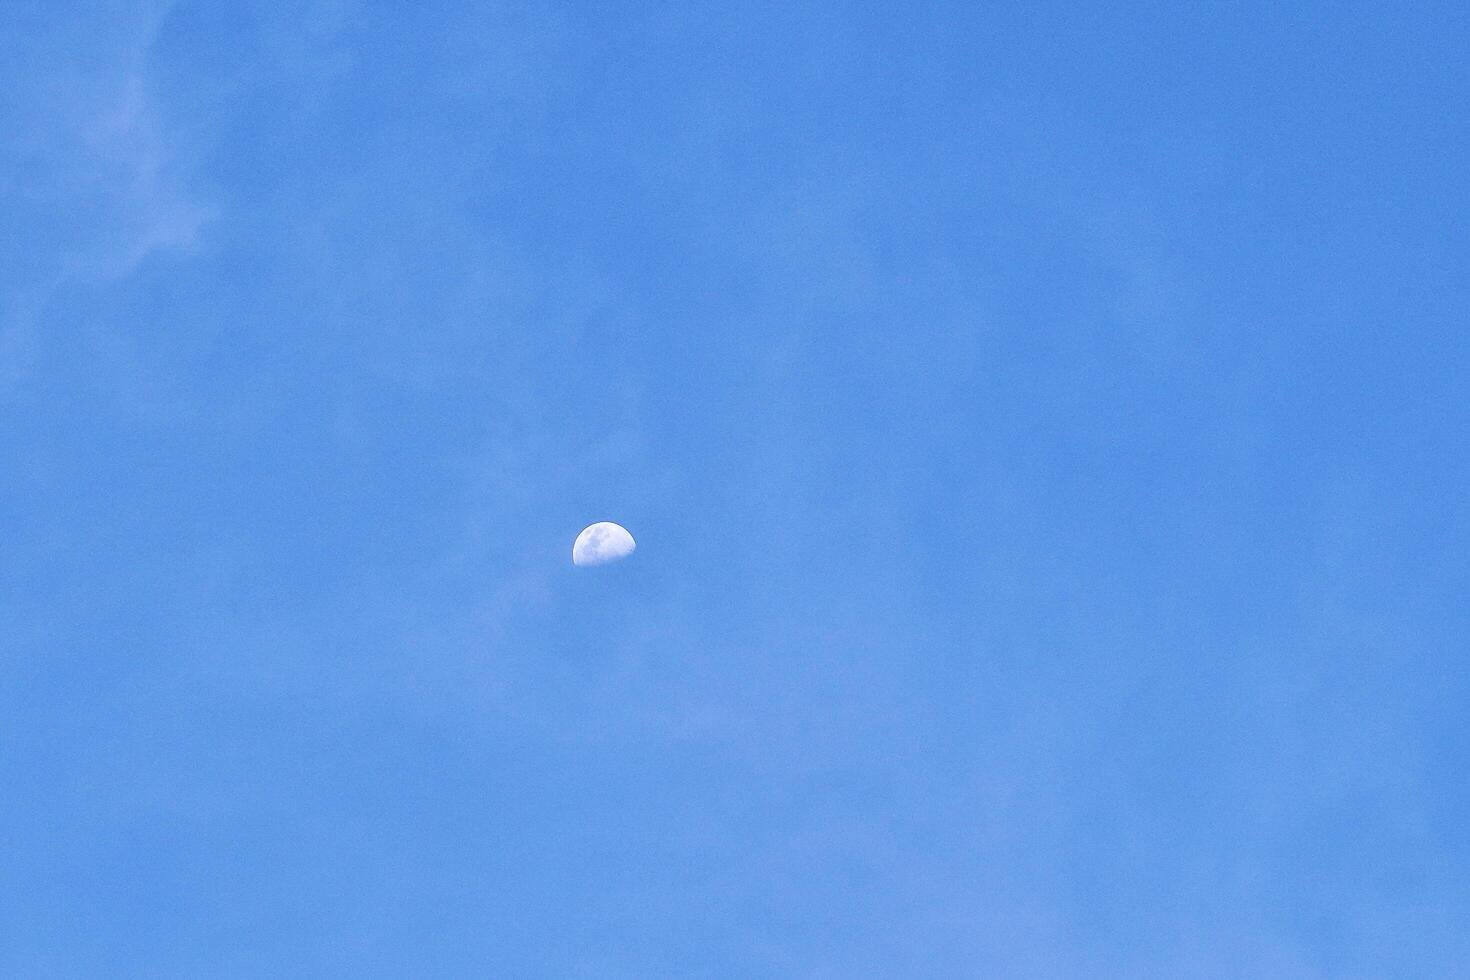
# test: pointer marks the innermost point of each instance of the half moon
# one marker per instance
(601, 543)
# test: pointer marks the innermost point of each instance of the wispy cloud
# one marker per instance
(132, 157)
(94, 179)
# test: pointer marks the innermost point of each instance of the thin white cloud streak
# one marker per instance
(94, 175)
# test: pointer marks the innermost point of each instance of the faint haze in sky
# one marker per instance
(1043, 430)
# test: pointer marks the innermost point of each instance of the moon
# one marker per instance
(601, 543)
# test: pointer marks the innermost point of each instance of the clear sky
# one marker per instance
(1044, 427)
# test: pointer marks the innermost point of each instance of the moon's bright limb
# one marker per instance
(601, 543)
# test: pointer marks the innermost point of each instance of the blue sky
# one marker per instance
(1044, 429)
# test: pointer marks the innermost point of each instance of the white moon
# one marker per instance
(601, 543)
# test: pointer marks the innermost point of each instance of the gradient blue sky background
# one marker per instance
(1044, 427)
